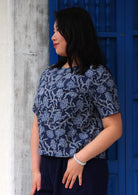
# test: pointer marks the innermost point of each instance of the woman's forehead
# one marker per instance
(55, 24)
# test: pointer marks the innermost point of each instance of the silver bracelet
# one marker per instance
(81, 163)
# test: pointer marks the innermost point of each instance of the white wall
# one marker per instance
(24, 46)
(6, 98)
(31, 43)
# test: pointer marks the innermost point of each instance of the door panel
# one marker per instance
(116, 23)
(105, 20)
(131, 97)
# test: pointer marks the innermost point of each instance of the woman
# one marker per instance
(77, 114)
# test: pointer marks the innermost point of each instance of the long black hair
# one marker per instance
(76, 26)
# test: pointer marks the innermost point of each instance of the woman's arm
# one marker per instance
(35, 157)
(112, 132)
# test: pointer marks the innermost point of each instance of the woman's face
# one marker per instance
(59, 42)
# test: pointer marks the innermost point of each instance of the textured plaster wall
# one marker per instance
(6, 98)
(24, 55)
(31, 44)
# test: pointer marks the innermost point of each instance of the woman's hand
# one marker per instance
(36, 184)
(73, 171)
(35, 157)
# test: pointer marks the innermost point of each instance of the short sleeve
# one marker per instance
(105, 95)
(35, 105)
(36, 100)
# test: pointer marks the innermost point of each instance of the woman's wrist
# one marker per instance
(34, 172)
(78, 161)
(83, 155)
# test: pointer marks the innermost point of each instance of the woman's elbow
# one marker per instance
(118, 131)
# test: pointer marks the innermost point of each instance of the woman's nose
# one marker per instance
(53, 37)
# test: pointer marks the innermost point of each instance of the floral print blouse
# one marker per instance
(70, 108)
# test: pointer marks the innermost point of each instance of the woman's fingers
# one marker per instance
(35, 186)
(69, 178)
(38, 185)
(73, 171)
(33, 190)
(72, 182)
(65, 177)
(80, 180)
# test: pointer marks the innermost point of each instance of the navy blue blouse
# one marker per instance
(70, 108)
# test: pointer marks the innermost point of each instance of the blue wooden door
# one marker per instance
(131, 51)
(117, 27)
